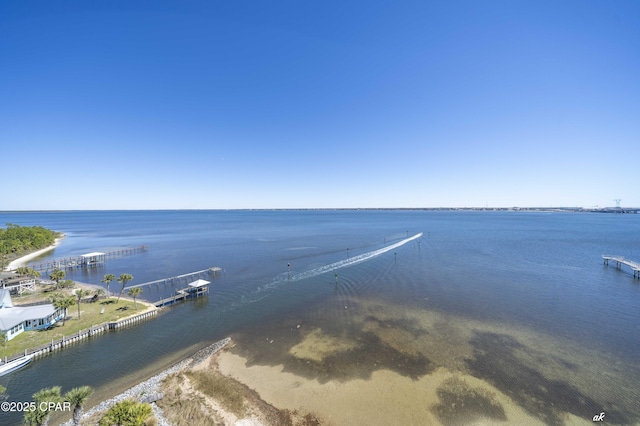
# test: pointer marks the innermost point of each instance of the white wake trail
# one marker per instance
(351, 261)
(262, 292)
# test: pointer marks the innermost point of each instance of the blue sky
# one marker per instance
(309, 104)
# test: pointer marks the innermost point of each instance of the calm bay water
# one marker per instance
(539, 272)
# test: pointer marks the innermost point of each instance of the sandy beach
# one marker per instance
(21, 261)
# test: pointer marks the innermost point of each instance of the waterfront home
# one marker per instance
(16, 319)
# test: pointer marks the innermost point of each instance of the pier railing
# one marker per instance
(82, 262)
(187, 278)
(620, 260)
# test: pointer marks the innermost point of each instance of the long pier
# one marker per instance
(635, 266)
(191, 276)
(184, 279)
(85, 261)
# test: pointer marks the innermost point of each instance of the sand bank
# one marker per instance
(151, 386)
(385, 398)
(21, 261)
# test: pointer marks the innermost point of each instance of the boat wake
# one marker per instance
(282, 279)
(351, 261)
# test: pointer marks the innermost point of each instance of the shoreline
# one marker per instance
(21, 261)
(151, 387)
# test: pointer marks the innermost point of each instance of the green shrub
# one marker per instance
(127, 413)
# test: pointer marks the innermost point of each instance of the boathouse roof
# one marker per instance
(93, 254)
(199, 283)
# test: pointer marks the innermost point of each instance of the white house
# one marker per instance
(16, 319)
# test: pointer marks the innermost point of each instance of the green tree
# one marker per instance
(57, 275)
(67, 284)
(25, 270)
(107, 279)
(77, 397)
(16, 240)
(40, 416)
(80, 293)
(135, 292)
(99, 292)
(64, 303)
(4, 252)
(123, 279)
(126, 413)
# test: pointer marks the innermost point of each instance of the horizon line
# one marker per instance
(567, 208)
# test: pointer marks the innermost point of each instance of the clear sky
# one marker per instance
(112, 104)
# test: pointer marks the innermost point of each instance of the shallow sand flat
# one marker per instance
(316, 346)
(386, 361)
(386, 398)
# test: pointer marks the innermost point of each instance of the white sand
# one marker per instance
(21, 261)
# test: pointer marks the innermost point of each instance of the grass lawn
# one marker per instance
(89, 315)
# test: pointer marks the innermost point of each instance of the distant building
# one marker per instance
(16, 319)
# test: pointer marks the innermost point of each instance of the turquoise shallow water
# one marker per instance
(534, 271)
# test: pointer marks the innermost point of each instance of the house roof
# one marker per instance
(11, 315)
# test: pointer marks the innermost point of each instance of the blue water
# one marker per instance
(537, 271)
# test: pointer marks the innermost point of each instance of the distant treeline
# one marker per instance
(16, 239)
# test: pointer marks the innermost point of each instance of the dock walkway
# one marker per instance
(191, 276)
(186, 279)
(620, 260)
(84, 261)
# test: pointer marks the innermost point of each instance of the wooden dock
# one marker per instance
(187, 278)
(180, 296)
(185, 293)
(635, 266)
(85, 261)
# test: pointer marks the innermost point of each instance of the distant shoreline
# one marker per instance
(21, 261)
(487, 208)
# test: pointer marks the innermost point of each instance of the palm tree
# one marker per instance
(25, 270)
(39, 416)
(77, 397)
(135, 292)
(123, 279)
(57, 275)
(64, 303)
(107, 279)
(80, 293)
